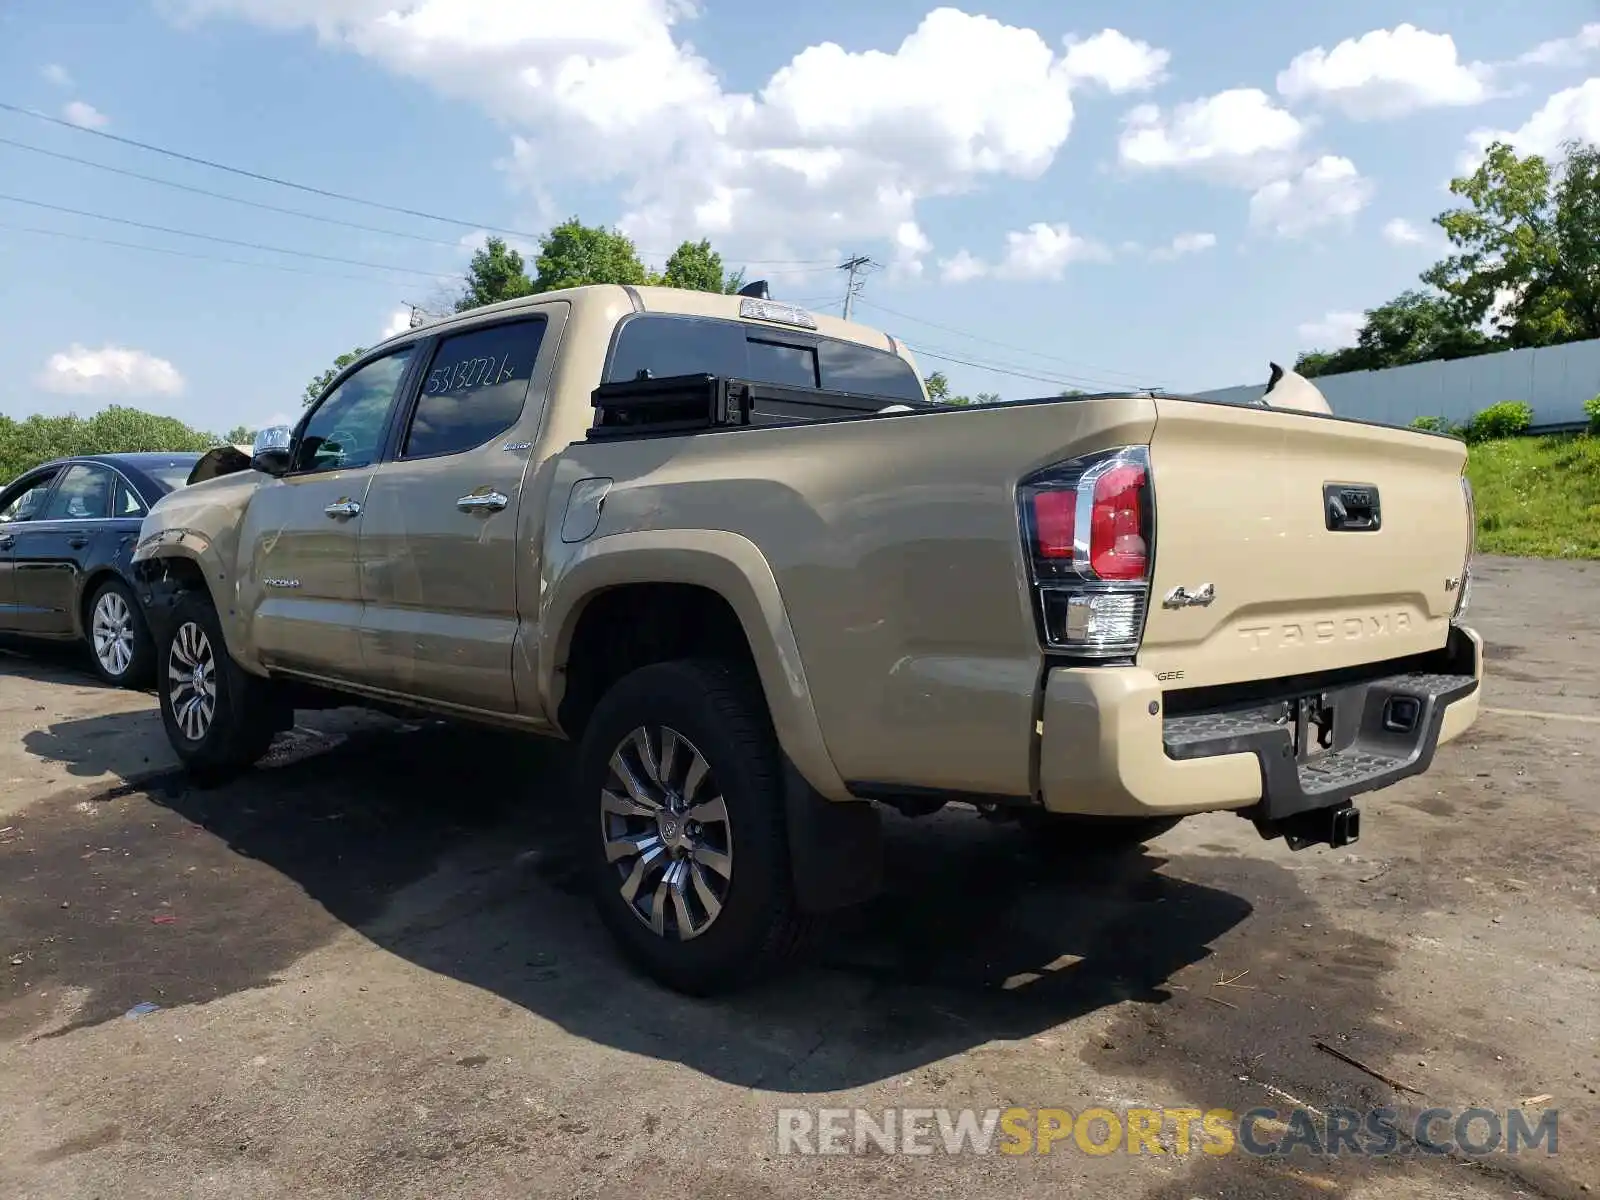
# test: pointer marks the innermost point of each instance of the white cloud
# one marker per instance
(57, 74)
(399, 322)
(961, 268)
(1386, 73)
(1563, 52)
(84, 114)
(1184, 243)
(1043, 251)
(1573, 113)
(1238, 136)
(109, 371)
(911, 245)
(1328, 191)
(1115, 62)
(1403, 233)
(1334, 330)
(837, 148)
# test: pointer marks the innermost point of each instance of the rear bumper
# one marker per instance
(1110, 748)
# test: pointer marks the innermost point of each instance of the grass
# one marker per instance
(1538, 497)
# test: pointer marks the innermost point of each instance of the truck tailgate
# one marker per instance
(1266, 509)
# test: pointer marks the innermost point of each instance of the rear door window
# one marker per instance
(475, 388)
(84, 494)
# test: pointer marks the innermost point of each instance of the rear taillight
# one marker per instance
(1088, 525)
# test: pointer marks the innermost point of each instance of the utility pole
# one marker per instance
(854, 265)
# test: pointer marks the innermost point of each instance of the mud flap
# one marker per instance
(835, 847)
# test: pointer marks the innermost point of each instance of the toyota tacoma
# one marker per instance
(731, 550)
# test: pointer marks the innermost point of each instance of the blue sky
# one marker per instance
(1090, 195)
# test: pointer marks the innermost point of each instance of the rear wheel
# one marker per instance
(682, 820)
(219, 718)
(119, 640)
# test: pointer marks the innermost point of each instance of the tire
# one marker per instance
(215, 742)
(1069, 834)
(729, 866)
(120, 647)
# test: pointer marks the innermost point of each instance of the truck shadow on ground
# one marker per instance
(449, 848)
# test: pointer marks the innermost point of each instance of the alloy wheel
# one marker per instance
(192, 681)
(667, 832)
(111, 631)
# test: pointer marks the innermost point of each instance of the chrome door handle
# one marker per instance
(5, 541)
(487, 502)
(343, 508)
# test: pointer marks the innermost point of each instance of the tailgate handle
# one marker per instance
(1351, 507)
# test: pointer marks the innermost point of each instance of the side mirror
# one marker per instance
(270, 453)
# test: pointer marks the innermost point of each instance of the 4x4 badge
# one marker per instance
(1181, 597)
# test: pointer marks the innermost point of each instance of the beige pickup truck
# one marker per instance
(731, 550)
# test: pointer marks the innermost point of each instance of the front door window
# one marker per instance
(347, 428)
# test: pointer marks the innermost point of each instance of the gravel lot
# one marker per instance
(374, 976)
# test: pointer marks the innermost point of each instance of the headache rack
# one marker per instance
(685, 403)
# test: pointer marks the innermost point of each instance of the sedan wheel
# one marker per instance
(119, 641)
(667, 834)
(192, 681)
(112, 633)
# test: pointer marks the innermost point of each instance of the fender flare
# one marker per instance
(734, 568)
(188, 545)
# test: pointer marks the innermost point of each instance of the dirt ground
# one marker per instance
(374, 976)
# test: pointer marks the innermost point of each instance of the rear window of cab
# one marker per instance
(657, 345)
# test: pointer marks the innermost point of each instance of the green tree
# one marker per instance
(573, 254)
(696, 266)
(495, 273)
(937, 385)
(1528, 246)
(1415, 326)
(319, 383)
(114, 430)
(239, 435)
(986, 398)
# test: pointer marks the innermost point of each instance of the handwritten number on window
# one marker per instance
(470, 373)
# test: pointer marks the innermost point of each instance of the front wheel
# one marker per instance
(682, 823)
(219, 718)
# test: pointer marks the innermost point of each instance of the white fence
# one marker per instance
(1555, 380)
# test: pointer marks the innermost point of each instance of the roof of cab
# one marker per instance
(679, 301)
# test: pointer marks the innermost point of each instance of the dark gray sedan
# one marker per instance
(67, 531)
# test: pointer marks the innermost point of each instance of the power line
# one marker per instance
(997, 369)
(258, 176)
(328, 193)
(1000, 345)
(351, 262)
(200, 191)
(238, 262)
